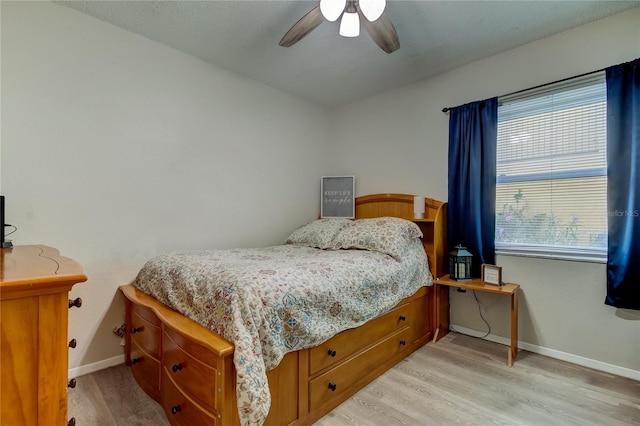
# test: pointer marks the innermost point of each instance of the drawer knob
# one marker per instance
(403, 342)
(73, 343)
(136, 360)
(403, 318)
(332, 352)
(332, 386)
(175, 409)
(71, 383)
(176, 367)
(77, 302)
(135, 330)
(71, 422)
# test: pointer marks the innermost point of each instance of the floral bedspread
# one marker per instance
(273, 300)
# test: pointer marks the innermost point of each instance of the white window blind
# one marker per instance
(551, 194)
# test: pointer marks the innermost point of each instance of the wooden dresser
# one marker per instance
(34, 303)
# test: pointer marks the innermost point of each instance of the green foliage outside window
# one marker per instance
(514, 224)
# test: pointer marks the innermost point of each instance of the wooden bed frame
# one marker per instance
(189, 369)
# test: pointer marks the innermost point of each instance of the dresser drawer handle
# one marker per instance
(332, 386)
(176, 367)
(403, 342)
(77, 302)
(135, 330)
(332, 352)
(175, 409)
(136, 360)
(71, 422)
(71, 383)
(403, 318)
(73, 343)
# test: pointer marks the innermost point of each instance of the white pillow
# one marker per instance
(389, 235)
(319, 233)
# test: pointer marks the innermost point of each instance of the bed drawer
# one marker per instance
(180, 409)
(193, 377)
(145, 313)
(339, 347)
(335, 382)
(146, 370)
(145, 334)
(419, 318)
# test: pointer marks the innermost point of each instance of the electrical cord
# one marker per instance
(15, 228)
(41, 254)
(475, 295)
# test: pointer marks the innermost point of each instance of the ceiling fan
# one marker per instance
(353, 12)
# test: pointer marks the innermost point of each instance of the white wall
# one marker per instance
(115, 148)
(397, 142)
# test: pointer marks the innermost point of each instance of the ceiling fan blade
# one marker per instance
(381, 31)
(304, 26)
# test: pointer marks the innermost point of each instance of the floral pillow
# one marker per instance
(319, 233)
(389, 235)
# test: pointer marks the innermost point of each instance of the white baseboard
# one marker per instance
(96, 366)
(552, 353)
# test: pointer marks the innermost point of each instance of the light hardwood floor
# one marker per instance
(460, 380)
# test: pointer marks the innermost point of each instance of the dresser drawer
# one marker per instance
(341, 346)
(193, 377)
(145, 334)
(180, 409)
(333, 383)
(146, 370)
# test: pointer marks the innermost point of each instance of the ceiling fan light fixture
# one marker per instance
(382, 31)
(372, 9)
(350, 25)
(332, 9)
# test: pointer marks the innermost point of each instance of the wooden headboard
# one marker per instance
(433, 226)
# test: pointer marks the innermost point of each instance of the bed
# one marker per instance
(179, 342)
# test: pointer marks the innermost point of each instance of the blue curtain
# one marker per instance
(473, 132)
(623, 185)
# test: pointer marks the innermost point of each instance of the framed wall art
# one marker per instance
(337, 196)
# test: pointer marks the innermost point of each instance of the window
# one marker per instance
(551, 192)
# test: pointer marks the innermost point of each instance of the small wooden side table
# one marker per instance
(509, 289)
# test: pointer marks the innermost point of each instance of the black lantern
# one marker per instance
(460, 264)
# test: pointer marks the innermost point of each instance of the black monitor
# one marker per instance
(7, 243)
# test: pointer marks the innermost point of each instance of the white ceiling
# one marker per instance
(327, 69)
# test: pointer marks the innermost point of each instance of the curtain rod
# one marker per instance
(447, 109)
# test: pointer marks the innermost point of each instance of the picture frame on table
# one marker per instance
(491, 274)
(337, 197)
